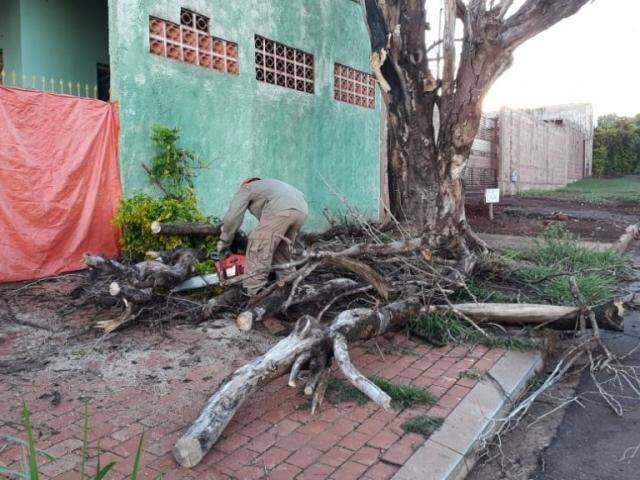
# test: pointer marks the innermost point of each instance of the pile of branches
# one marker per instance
(348, 284)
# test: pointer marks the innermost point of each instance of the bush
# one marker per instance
(171, 171)
(136, 214)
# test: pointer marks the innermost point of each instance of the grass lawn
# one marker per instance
(595, 190)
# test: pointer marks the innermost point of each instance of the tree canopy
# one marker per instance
(616, 146)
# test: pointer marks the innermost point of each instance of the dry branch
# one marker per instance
(631, 233)
(307, 337)
(365, 272)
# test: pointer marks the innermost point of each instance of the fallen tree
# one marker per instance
(308, 343)
(341, 290)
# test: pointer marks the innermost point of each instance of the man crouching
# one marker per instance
(281, 211)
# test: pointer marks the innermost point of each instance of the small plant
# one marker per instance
(422, 424)
(31, 469)
(172, 170)
(540, 274)
(339, 391)
(472, 375)
(438, 327)
(172, 167)
(402, 396)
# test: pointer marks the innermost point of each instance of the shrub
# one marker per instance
(171, 170)
(136, 214)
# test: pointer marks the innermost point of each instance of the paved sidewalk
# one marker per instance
(273, 436)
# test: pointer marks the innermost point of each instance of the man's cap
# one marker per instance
(247, 181)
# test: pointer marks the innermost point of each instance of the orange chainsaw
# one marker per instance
(231, 266)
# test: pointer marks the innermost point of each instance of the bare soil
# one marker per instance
(527, 216)
(42, 330)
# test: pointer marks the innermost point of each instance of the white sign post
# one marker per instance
(491, 196)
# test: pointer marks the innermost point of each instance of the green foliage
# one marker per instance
(595, 190)
(32, 455)
(616, 146)
(32, 469)
(171, 169)
(138, 212)
(402, 396)
(423, 424)
(557, 256)
(472, 374)
(595, 288)
(444, 327)
(203, 268)
(483, 293)
(438, 327)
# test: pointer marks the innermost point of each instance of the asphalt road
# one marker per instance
(591, 442)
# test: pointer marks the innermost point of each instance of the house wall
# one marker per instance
(64, 39)
(10, 37)
(544, 155)
(242, 127)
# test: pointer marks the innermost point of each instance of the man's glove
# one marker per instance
(223, 249)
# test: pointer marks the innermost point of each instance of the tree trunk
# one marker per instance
(425, 166)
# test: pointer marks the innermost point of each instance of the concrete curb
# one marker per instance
(450, 453)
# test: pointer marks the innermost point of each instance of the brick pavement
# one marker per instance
(273, 436)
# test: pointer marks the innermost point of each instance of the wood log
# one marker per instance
(150, 273)
(361, 323)
(159, 274)
(608, 314)
(134, 295)
(199, 229)
(361, 382)
(111, 267)
(186, 228)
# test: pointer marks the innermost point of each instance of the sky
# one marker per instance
(593, 56)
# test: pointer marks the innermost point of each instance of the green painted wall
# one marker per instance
(242, 127)
(64, 39)
(10, 36)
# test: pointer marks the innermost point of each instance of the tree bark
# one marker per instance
(608, 315)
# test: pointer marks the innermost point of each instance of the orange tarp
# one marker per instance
(59, 182)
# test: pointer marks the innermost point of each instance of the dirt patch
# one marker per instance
(42, 332)
(527, 216)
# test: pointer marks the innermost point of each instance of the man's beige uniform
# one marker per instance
(281, 210)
